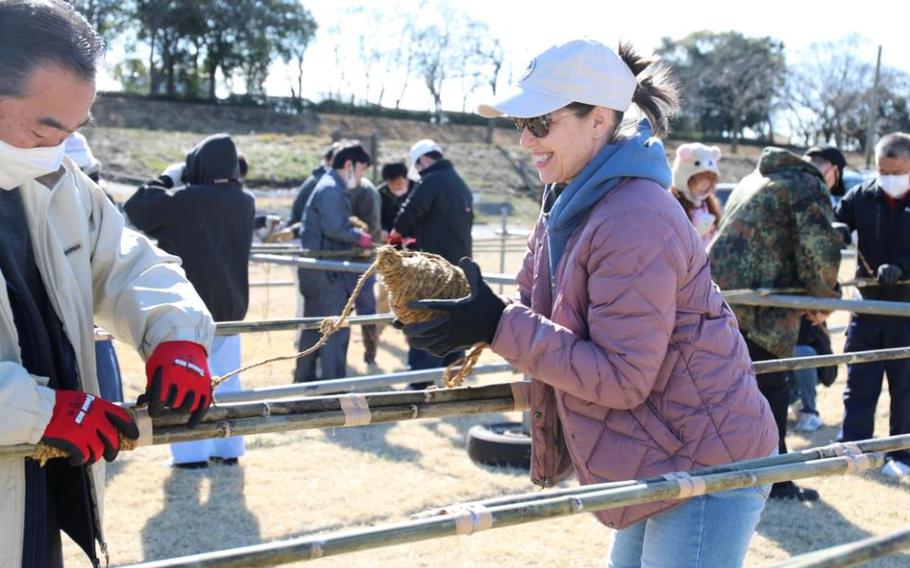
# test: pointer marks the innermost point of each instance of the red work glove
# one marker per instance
(366, 241)
(394, 238)
(178, 377)
(87, 427)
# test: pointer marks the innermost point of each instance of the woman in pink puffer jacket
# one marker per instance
(638, 366)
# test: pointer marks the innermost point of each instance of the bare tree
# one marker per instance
(830, 89)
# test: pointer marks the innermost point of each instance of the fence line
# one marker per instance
(852, 553)
(469, 520)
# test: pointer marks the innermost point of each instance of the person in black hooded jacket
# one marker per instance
(201, 213)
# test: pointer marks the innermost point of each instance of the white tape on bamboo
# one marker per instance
(471, 519)
(521, 394)
(857, 461)
(144, 424)
(356, 409)
(688, 486)
(317, 550)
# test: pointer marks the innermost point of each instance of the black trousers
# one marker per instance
(776, 389)
(864, 381)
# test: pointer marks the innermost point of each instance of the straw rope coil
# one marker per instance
(408, 276)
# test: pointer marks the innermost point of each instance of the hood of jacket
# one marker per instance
(215, 158)
(774, 160)
(641, 156)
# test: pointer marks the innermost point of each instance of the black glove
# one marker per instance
(889, 274)
(843, 230)
(469, 320)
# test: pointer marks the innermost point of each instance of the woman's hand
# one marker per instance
(465, 321)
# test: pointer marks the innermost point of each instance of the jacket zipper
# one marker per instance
(53, 296)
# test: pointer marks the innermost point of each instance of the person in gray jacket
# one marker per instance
(326, 226)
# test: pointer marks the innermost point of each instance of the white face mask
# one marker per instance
(20, 165)
(350, 180)
(895, 186)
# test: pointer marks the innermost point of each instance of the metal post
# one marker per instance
(504, 236)
(374, 154)
(873, 112)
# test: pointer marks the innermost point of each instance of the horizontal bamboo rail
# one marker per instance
(348, 266)
(874, 445)
(351, 384)
(773, 300)
(266, 417)
(234, 327)
(469, 521)
(852, 553)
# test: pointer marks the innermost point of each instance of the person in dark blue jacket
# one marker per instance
(879, 212)
(326, 226)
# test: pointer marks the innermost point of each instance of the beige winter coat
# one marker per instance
(95, 270)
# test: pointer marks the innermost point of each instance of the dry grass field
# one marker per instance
(310, 482)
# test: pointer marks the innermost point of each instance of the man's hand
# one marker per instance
(816, 317)
(178, 377)
(87, 427)
(889, 274)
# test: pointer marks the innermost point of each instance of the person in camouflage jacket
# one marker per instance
(777, 233)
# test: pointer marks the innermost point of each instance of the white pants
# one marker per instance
(224, 358)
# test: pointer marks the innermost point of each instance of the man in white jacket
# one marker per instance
(66, 261)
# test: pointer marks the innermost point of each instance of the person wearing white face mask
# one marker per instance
(326, 226)
(879, 212)
(66, 262)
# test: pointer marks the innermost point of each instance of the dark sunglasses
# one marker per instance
(539, 125)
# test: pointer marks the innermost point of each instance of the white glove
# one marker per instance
(175, 173)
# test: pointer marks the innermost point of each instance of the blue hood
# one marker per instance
(638, 157)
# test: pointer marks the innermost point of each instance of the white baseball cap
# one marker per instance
(77, 149)
(582, 71)
(422, 147)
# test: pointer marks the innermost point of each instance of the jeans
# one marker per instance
(710, 531)
(804, 381)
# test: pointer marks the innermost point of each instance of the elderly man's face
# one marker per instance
(897, 166)
(56, 103)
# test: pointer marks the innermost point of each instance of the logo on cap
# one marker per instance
(529, 70)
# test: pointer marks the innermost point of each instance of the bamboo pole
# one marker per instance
(773, 300)
(272, 284)
(233, 327)
(470, 521)
(875, 445)
(351, 384)
(348, 266)
(854, 358)
(852, 553)
(268, 417)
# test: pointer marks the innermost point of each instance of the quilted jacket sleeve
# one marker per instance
(631, 280)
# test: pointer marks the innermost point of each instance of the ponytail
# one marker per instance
(656, 93)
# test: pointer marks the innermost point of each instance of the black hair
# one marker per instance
(351, 150)
(40, 32)
(434, 155)
(394, 170)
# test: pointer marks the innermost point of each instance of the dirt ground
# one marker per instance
(310, 482)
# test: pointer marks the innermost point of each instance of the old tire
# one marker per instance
(503, 444)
